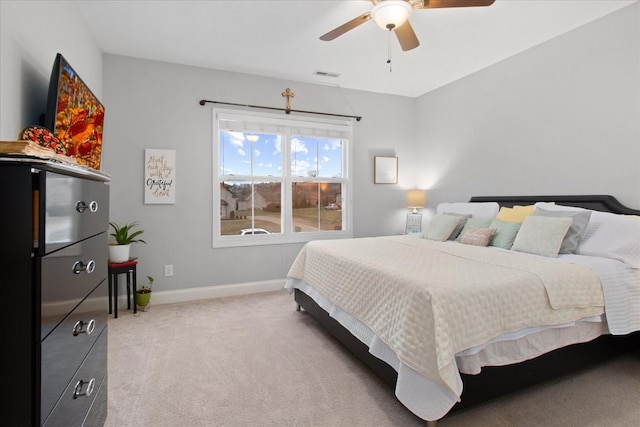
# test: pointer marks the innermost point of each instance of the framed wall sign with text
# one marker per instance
(159, 176)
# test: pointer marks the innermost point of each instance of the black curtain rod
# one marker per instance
(286, 110)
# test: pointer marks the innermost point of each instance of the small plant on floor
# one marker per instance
(146, 289)
(143, 295)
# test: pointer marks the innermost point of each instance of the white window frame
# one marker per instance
(287, 235)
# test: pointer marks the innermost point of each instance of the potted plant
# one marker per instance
(143, 295)
(124, 236)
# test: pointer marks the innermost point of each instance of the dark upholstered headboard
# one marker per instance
(602, 203)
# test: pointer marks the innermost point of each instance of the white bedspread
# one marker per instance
(430, 300)
(621, 287)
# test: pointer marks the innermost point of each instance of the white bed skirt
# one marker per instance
(431, 401)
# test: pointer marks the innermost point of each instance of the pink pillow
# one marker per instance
(478, 236)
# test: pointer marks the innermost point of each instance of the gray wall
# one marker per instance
(31, 33)
(563, 117)
(155, 105)
(560, 118)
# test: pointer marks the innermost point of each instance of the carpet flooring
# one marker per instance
(255, 361)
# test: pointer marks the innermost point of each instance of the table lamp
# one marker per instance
(416, 199)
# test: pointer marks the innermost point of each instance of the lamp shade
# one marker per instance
(390, 14)
(416, 199)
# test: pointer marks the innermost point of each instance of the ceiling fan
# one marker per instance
(394, 15)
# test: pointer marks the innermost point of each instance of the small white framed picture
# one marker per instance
(385, 170)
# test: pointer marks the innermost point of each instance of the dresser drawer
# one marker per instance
(75, 403)
(71, 209)
(97, 414)
(68, 276)
(65, 348)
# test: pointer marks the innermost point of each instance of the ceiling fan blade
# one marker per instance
(407, 37)
(346, 27)
(432, 4)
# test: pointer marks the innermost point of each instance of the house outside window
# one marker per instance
(280, 180)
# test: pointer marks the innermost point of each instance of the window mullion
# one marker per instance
(287, 187)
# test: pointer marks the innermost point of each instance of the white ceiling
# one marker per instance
(281, 38)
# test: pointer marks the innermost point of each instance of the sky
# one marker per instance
(310, 156)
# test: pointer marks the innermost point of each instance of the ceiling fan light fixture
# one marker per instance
(390, 14)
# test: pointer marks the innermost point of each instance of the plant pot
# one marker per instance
(119, 253)
(143, 299)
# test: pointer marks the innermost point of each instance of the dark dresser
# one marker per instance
(53, 271)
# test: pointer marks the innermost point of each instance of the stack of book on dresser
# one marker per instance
(32, 149)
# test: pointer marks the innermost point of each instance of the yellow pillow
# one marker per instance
(515, 214)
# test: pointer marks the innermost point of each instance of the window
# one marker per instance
(280, 180)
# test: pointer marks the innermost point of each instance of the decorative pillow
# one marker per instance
(441, 227)
(577, 229)
(473, 222)
(462, 220)
(505, 233)
(45, 138)
(478, 236)
(476, 210)
(541, 235)
(516, 213)
(612, 236)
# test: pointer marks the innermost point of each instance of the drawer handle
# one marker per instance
(82, 206)
(79, 327)
(79, 267)
(77, 390)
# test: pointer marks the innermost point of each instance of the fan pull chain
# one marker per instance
(389, 50)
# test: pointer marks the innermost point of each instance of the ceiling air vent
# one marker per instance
(326, 74)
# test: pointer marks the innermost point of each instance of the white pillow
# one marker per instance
(608, 235)
(487, 210)
(613, 236)
(541, 235)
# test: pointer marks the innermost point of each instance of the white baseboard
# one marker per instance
(220, 291)
(181, 295)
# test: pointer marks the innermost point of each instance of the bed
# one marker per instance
(453, 323)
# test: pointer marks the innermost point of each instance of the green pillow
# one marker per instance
(505, 233)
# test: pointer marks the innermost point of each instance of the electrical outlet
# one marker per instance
(168, 270)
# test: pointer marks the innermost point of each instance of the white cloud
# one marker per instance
(334, 144)
(298, 146)
(325, 159)
(236, 138)
(257, 153)
(241, 152)
(300, 167)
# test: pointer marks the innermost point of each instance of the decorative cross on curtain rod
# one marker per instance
(286, 110)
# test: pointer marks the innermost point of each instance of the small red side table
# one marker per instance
(115, 269)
